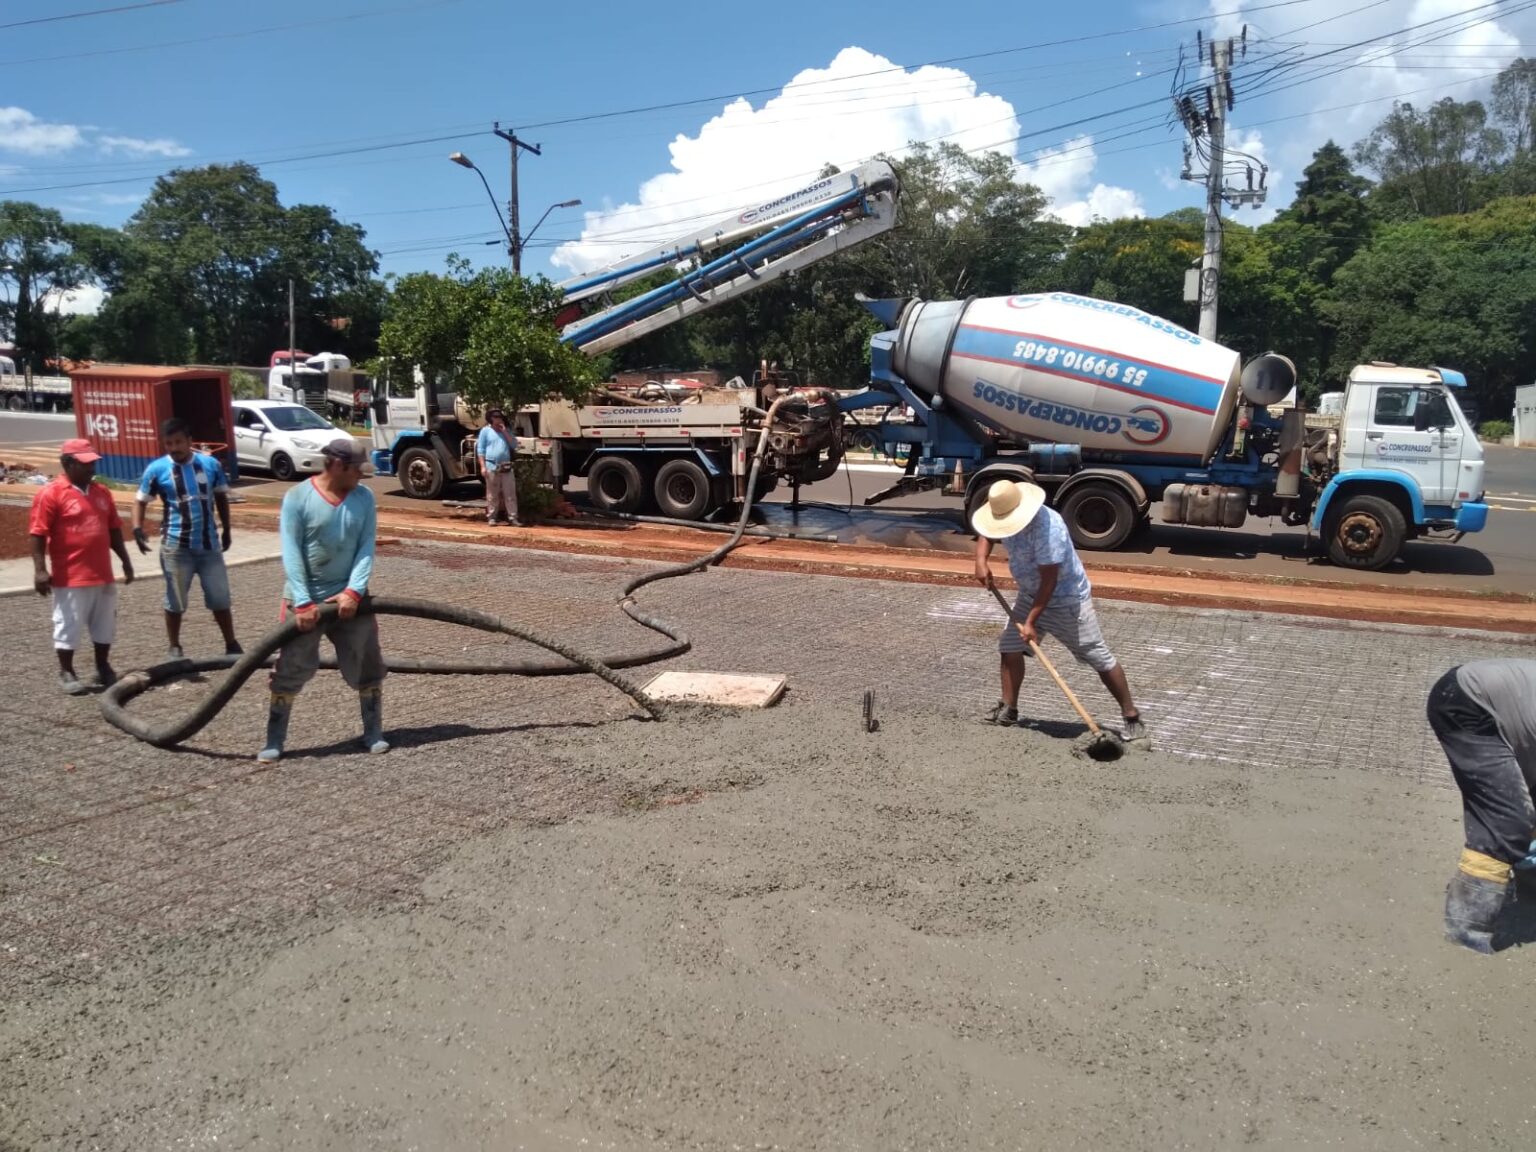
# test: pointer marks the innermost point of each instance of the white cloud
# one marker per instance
(1065, 175)
(20, 131)
(859, 105)
(85, 300)
(133, 146)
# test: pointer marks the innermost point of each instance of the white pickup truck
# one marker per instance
(48, 393)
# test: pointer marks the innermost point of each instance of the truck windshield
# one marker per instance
(295, 419)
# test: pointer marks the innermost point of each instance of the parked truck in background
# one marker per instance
(1117, 412)
(683, 457)
(46, 393)
(325, 383)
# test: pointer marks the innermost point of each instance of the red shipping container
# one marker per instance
(119, 408)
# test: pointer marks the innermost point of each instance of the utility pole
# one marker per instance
(1207, 127)
(515, 246)
(1210, 260)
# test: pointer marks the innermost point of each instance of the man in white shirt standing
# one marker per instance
(497, 448)
(1055, 598)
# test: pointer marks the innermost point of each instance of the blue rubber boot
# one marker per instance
(278, 712)
(371, 701)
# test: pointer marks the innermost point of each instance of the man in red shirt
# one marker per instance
(74, 523)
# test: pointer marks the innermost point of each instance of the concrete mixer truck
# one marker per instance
(1113, 411)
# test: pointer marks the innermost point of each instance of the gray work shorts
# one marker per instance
(1073, 622)
(357, 654)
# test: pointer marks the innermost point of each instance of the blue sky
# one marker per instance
(325, 95)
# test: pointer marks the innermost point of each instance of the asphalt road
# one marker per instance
(1501, 558)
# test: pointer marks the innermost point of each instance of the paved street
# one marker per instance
(1502, 558)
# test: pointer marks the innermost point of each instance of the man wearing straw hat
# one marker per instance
(1055, 598)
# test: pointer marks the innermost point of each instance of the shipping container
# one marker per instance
(119, 408)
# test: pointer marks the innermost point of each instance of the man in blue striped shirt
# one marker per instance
(190, 486)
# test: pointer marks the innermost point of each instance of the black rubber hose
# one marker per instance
(115, 699)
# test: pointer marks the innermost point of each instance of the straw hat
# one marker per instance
(1009, 509)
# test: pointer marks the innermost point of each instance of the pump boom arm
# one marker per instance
(737, 255)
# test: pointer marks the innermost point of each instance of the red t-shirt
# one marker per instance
(78, 526)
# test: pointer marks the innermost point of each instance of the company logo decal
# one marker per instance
(1143, 425)
(102, 424)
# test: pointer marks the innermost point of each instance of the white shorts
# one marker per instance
(1074, 623)
(92, 609)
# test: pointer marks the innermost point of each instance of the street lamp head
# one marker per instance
(461, 160)
(569, 204)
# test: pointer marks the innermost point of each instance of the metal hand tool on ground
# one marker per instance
(1100, 745)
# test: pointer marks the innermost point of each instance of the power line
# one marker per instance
(92, 12)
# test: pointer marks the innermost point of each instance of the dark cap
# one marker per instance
(346, 450)
(490, 412)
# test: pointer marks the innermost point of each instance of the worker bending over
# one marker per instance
(327, 527)
(1484, 715)
(1055, 597)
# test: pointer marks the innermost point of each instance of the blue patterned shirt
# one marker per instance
(186, 493)
(1046, 541)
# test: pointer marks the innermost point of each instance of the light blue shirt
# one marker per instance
(492, 447)
(1046, 541)
(327, 548)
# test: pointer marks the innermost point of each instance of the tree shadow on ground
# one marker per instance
(402, 739)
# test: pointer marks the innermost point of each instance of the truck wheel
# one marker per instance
(17, 403)
(1100, 517)
(683, 490)
(421, 474)
(864, 440)
(614, 484)
(1366, 533)
(282, 466)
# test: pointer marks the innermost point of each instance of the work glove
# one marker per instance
(139, 539)
(1529, 863)
(225, 539)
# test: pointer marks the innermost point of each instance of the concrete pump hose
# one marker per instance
(115, 699)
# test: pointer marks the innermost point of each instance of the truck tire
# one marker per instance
(1366, 533)
(615, 484)
(1100, 516)
(282, 466)
(17, 403)
(683, 490)
(421, 474)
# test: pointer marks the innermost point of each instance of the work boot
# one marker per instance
(1002, 714)
(71, 684)
(233, 649)
(174, 652)
(1472, 905)
(1134, 728)
(106, 676)
(371, 701)
(279, 710)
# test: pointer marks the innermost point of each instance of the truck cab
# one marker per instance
(1403, 438)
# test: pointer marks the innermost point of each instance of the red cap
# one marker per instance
(81, 450)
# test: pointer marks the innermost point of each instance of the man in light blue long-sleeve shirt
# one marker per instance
(327, 526)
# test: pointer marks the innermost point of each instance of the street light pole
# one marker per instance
(464, 161)
(523, 242)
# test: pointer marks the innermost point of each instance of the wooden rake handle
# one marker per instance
(1048, 666)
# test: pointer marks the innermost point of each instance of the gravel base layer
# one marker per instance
(762, 930)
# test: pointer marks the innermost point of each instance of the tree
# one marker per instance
(38, 264)
(1514, 104)
(489, 332)
(1458, 291)
(1435, 163)
(216, 249)
(1137, 262)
